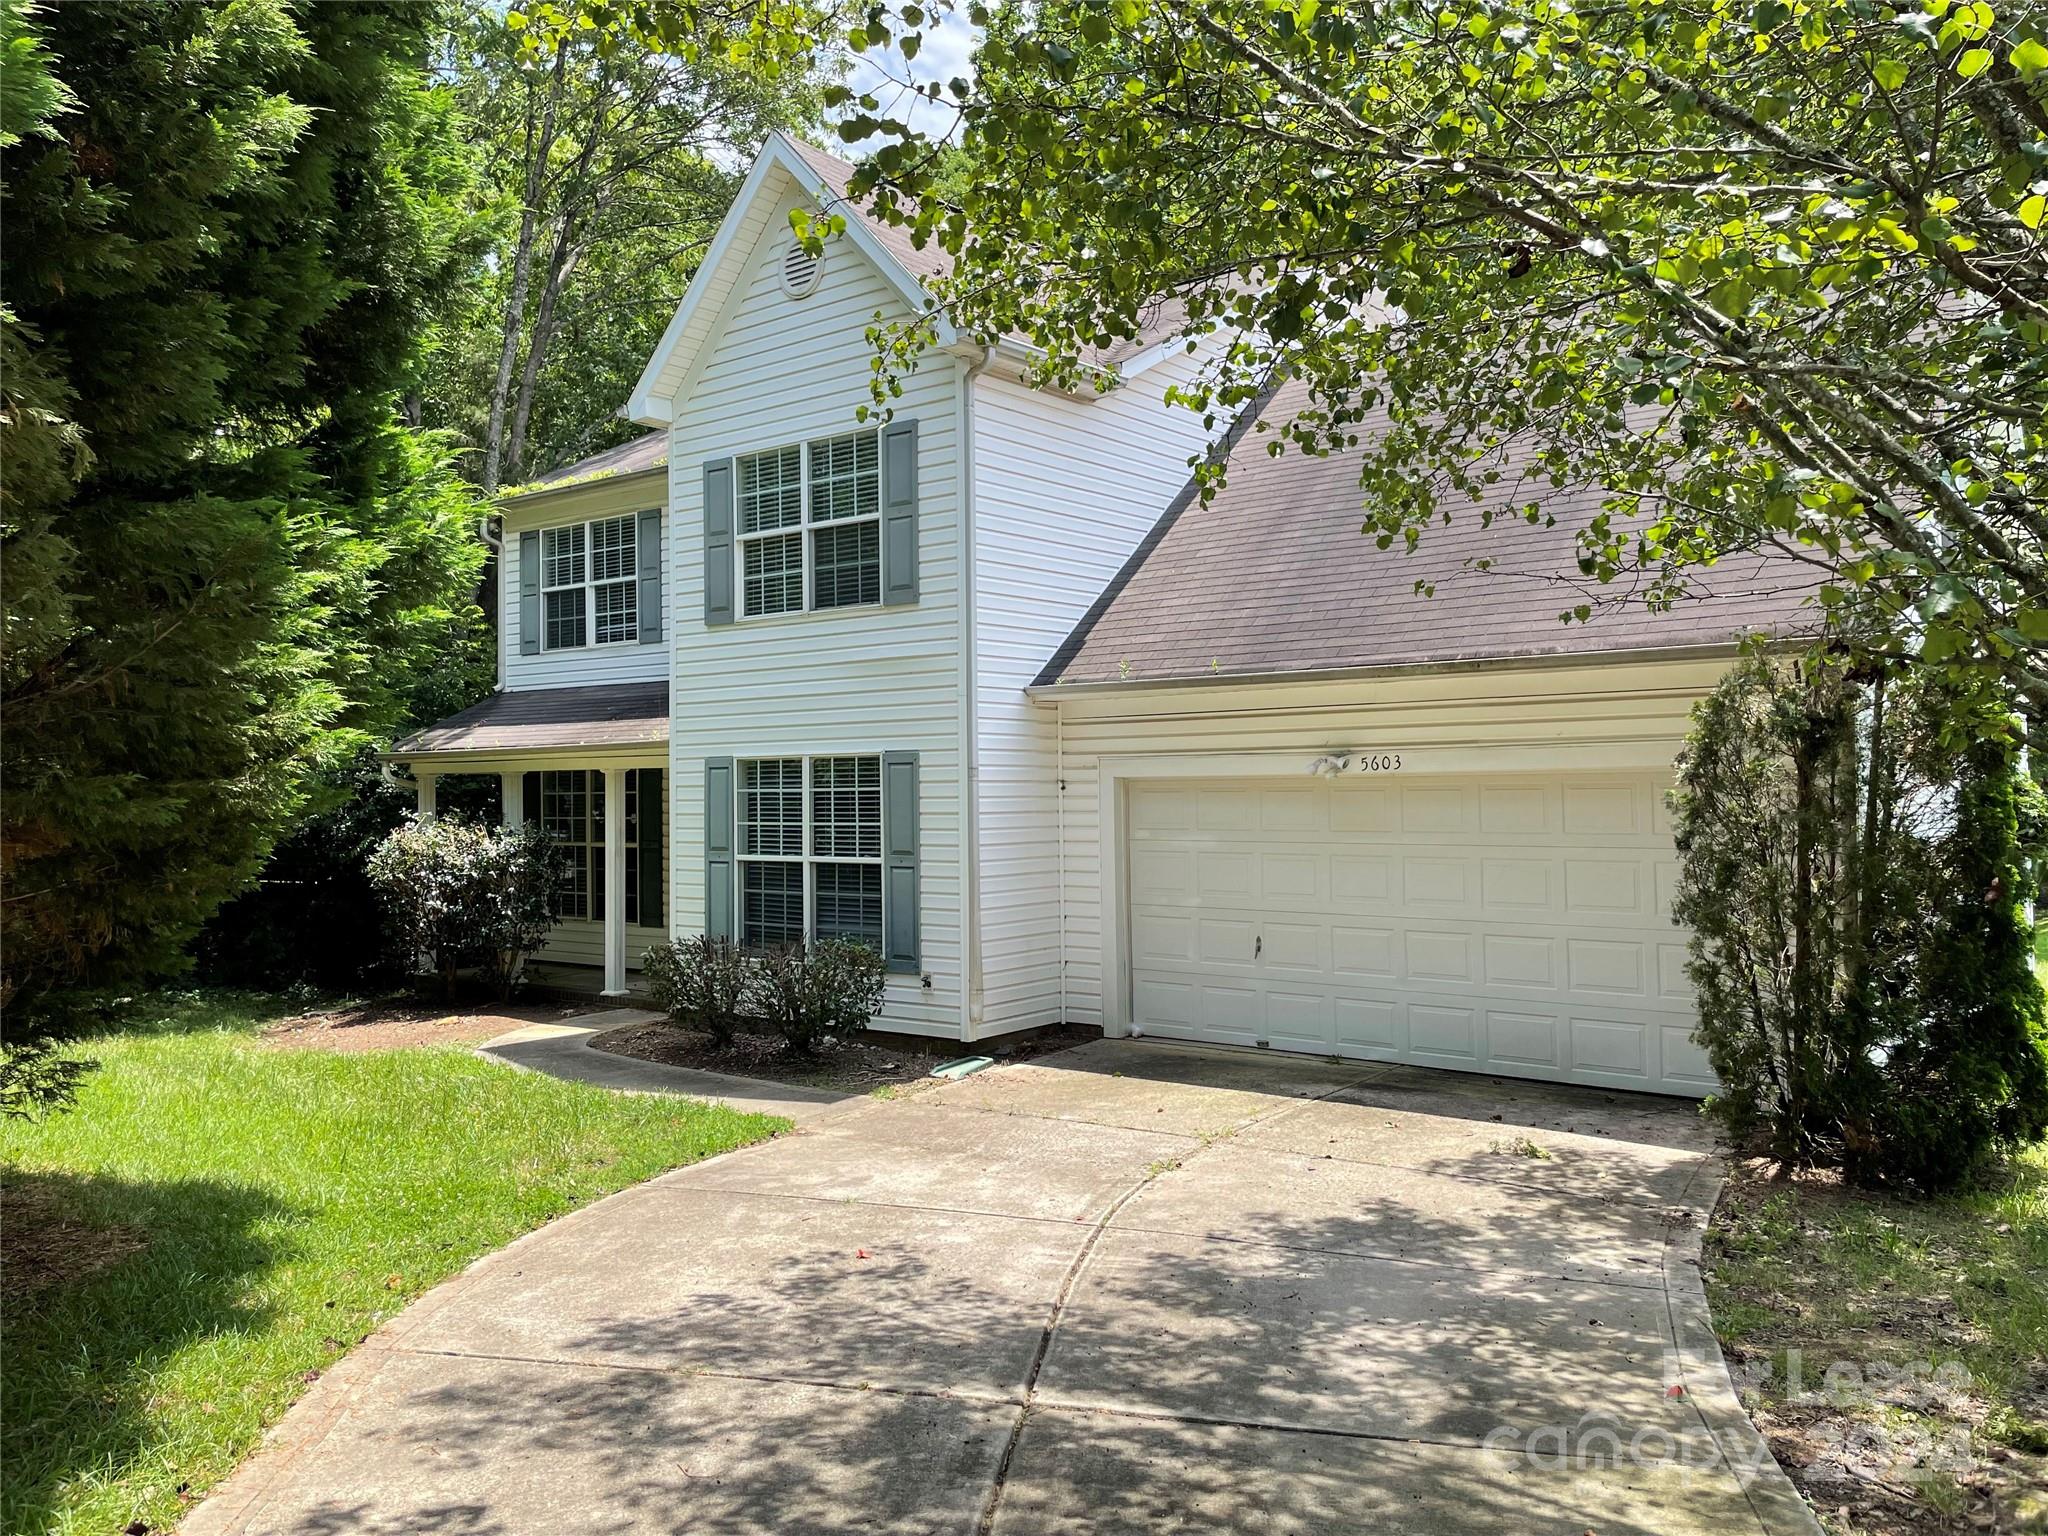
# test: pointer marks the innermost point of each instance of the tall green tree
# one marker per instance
(1774, 272)
(607, 170)
(225, 559)
(1852, 883)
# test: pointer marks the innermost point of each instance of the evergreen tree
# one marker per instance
(224, 558)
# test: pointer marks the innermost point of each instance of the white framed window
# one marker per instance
(572, 813)
(590, 587)
(809, 525)
(810, 849)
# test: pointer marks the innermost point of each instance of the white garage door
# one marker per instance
(1506, 924)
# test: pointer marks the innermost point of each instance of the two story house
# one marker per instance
(988, 685)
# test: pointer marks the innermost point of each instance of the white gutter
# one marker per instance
(1045, 693)
(970, 768)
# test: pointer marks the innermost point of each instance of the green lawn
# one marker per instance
(1865, 1282)
(279, 1204)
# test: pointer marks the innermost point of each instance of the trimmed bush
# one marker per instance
(463, 895)
(814, 992)
(701, 983)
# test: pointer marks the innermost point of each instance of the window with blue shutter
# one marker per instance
(807, 526)
(825, 847)
(718, 870)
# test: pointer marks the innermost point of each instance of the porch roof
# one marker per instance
(596, 715)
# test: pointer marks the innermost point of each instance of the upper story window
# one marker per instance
(590, 583)
(810, 525)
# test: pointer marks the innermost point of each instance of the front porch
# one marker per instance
(590, 766)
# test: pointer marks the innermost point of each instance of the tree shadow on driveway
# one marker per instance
(1244, 1357)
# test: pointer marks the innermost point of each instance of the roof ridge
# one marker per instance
(1219, 451)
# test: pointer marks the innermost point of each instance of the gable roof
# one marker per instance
(827, 181)
(836, 176)
(822, 179)
(1274, 577)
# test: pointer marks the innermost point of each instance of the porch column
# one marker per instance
(615, 882)
(427, 783)
(512, 794)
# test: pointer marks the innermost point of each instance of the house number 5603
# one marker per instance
(1378, 762)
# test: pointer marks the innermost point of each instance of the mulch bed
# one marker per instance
(862, 1063)
(396, 1023)
(44, 1245)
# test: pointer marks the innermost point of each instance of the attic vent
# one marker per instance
(799, 271)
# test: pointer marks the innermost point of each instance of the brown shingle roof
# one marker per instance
(1158, 321)
(597, 715)
(1274, 576)
(646, 452)
(837, 175)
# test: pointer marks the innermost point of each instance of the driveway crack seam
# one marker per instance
(1045, 1336)
(1066, 1290)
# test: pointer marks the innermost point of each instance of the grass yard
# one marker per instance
(218, 1220)
(1934, 1318)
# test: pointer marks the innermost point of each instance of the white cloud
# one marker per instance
(945, 54)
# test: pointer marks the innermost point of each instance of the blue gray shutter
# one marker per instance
(529, 593)
(648, 562)
(899, 861)
(899, 512)
(718, 860)
(647, 804)
(529, 799)
(718, 541)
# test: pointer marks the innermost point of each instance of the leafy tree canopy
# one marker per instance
(604, 173)
(1771, 272)
(226, 562)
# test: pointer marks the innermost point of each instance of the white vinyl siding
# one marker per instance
(1066, 488)
(618, 660)
(777, 372)
(809, 526)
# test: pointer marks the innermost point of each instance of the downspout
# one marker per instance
(970, 768)
(483, 531)
(1059, 823)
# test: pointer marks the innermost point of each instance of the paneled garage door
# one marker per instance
(1499, 924)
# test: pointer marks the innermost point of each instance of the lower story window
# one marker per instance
(810, 846)
(572, 809)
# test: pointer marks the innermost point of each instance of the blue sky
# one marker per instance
(943, 56)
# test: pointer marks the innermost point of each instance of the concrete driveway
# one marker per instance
(1128, 1288)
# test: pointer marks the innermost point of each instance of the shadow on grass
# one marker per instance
(127, 1273)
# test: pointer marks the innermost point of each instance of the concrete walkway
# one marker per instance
(1127, 1288)
(565, 1050)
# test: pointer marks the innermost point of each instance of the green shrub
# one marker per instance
(1852, 870)
(813, 992)
(462, 895)
(702, 983)
(1964, 1068)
